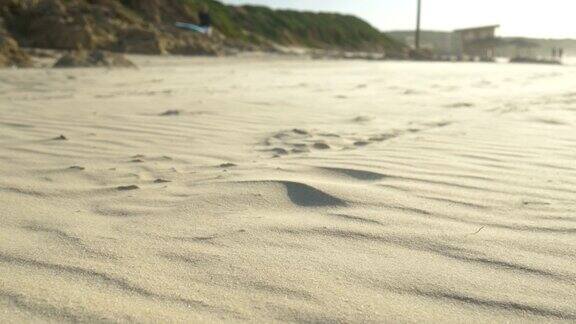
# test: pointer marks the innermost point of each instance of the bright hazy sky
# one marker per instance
(533, 18)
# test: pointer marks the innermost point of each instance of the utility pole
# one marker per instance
(417, 38)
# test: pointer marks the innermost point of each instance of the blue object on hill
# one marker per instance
(192, 27)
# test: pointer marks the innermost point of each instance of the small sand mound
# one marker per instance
(93, 59)
(307, 196)
(298, 194)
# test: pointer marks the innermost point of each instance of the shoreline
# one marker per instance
(45, 58)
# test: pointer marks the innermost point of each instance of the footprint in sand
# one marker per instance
(299, 131)
(410, 92)
(279, 151)
(127, 188)
(299, 150)
(321, 146)
(460, 105)
(362, 119)
(162, 181)
(361, 143)
(172, 112)
(548, 121)
(301, 141)
(382, 137)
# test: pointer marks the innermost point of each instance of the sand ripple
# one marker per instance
(435, 193)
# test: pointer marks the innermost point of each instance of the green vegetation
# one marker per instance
(220, 14)
(295, 28)
(148, 25)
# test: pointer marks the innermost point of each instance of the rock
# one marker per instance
(68, 29)
(186, 43)
(41, 53)
(141, 41)
(55, 32)
(69, 25)
(128, 26)
(93, 59)
(10, 52)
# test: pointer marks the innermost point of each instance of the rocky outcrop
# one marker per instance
(63, 25)
(93, 59)
(148, 27)
(141, 41)
(128, 26)
(186, 43)
(10, 52)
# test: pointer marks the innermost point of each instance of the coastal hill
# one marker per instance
(147, 27)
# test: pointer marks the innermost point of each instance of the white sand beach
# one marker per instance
(288, 190)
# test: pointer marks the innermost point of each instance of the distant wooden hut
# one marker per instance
(475, 43)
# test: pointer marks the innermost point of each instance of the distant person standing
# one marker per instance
(554, 53)
(205, 20)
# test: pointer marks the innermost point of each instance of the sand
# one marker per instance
(288, 190)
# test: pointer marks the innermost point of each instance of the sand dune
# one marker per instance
(288, 190)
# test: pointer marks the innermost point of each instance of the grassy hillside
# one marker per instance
(321, 30)
(147, 26)
(295, 28)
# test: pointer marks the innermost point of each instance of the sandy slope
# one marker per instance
(359, 192)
